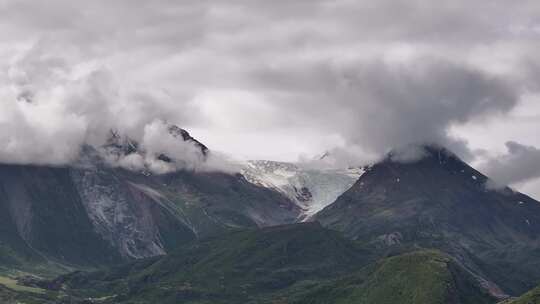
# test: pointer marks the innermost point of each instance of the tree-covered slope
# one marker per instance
(235, 266)
(301, 263)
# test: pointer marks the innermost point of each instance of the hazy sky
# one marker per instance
(276, 79)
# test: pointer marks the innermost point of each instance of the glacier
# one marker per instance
(310, 189)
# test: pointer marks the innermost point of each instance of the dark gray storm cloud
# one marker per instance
(381, 106)
(288, 77)
(520, 164)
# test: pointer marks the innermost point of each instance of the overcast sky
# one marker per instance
(277, 80)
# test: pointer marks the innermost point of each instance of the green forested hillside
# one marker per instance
(301, 263)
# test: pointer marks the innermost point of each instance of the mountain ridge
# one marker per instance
(93, 213)
(440, 202)
(434, 210)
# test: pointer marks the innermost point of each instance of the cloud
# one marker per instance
(50, 109)
(185, 154)
(380, 106)
(292, 77)
(520, 164)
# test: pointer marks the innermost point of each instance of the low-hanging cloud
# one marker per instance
(51, 110)
(163, 151)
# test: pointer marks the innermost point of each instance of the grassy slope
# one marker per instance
(12, 284)
(297, 264)
(11, 293)
(531, 297)
(230, 268)
(422, 277)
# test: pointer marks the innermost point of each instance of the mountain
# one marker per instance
(310, 189)
(429, 230)
(302, 263)
(92, 214)
(184, 135)
(441, 202)
(118, 148)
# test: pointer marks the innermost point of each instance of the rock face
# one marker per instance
(180, 133)
(128, 216)
(310, 189)
(441, 202)
(144, 215)
(93, 214)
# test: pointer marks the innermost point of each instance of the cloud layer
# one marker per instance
(274, 80)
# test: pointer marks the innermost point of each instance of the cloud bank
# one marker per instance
(274, 80)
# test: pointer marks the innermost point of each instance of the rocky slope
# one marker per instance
(93, 214)
(441, 202)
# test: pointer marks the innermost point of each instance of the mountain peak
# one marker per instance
(436, 200)
(178, 132)
(164, 151)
